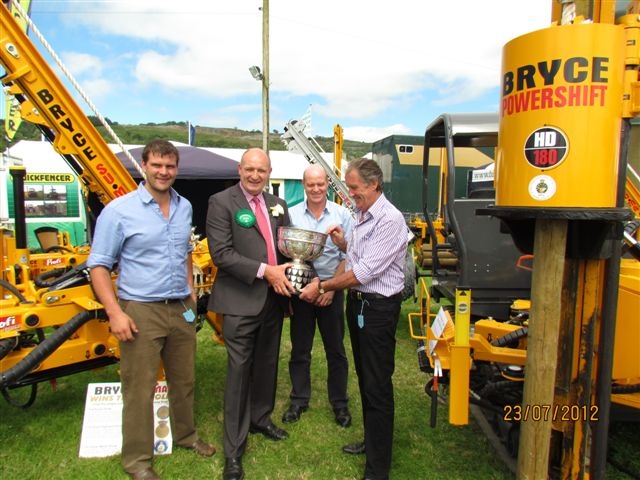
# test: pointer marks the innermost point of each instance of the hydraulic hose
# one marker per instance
(6, 345)
(44, 349)
(13, 290)
(511, 337)
(42, 280)
(71, 278)
(432, 391)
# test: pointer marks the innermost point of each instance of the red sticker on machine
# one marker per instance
(9, 323)
(546, 148)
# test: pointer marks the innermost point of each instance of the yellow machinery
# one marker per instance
(550, 351)
(50, 322)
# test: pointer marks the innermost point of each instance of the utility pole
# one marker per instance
(265, 78)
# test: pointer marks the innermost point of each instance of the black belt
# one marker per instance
(358, 295)
(167, 301)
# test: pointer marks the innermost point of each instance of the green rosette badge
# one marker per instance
(245, 218)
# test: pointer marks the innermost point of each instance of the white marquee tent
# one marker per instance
(40, 157)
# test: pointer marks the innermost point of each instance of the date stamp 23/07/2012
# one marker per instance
(544, 413)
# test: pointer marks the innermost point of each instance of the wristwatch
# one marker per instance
(320, 289)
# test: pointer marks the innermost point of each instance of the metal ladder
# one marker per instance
(311, 153)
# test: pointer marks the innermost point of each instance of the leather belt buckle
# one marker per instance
(371, 296)
(358, 295)
(167, 301)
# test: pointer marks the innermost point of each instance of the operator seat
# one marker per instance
(47, 237)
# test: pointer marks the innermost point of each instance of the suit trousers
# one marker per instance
(253, 348)
(330, 322)
(374, 346)
(164, 338)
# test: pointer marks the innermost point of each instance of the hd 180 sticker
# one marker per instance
(546, 148)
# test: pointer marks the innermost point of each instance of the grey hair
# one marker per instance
(369, 171)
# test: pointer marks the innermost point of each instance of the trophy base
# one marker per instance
(299, 274)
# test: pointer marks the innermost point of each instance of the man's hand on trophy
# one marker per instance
(337, 237)
(311, 292)
(275, 275)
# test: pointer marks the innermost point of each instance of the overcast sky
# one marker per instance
(375, 67)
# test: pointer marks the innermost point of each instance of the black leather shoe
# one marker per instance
(354, 448)
(270, 431)
(233, 469)
(293, 413)
(343, 417)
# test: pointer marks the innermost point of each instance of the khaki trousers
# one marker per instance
(165, 339)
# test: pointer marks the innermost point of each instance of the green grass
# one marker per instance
(42, 442)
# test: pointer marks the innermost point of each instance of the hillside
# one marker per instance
(205, 136)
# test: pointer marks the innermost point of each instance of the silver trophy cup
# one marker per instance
(300, 245)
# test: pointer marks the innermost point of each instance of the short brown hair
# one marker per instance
(160, 148)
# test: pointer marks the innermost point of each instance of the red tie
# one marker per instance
(265, 230)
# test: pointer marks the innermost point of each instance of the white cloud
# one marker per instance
(363, 62)
(358, 57)
(97, 88)
(91, 69)
(231, 116)
(371, 134)
(82, 63)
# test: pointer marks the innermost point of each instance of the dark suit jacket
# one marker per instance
(237, 252)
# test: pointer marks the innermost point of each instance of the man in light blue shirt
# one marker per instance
(319, 214)
(147, 233)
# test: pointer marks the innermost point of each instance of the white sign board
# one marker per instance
(438, 326)
(484, 174)
(102, 424)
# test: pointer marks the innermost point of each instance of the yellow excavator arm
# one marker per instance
(47, 103)
(51, 324)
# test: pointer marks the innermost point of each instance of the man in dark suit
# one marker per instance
(252, 292)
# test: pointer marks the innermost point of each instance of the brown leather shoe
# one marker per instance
(202, 448)
(146, 474)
